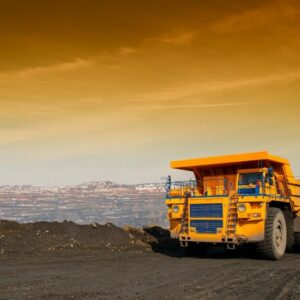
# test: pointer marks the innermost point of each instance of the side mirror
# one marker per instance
(168, 184)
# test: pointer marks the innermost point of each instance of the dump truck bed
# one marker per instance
(190, 164)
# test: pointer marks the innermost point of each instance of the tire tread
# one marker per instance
(265, 248)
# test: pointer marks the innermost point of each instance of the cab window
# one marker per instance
(250, 178)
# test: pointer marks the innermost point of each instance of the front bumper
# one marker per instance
(209, 225)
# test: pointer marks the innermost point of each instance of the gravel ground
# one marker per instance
(139, 271)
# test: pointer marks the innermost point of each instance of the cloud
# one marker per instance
(271, 14)
(201, 88)
(175, 38)
(110, 59)
(164, 106)
(126, 50)
(68, 66)
(205, 105)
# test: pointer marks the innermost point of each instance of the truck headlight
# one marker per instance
(175, 209)
(242, 208)
(256, 215)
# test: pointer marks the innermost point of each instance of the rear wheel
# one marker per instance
(289, 220)
(274, 245)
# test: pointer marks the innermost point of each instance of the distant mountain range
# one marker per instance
(95, 201)
(90, 186)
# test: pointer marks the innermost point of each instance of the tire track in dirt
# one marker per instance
(291, 257)
(286, 287)
(227, 283)
(199, 268)
(256, 287)
(243, 282)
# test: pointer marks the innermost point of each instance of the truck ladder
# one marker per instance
(231, 222)
(184, 225)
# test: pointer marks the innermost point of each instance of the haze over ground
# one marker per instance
(114, 90)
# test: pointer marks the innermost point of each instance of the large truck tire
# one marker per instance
(274, 245)
(289, 220)
(297, 241)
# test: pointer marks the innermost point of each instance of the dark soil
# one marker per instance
(69, 261)
(43, 237)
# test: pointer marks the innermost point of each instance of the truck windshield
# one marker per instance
(250, 178)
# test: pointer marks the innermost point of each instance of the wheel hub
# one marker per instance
(278, 235)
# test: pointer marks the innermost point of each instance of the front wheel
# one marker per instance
(274, 245)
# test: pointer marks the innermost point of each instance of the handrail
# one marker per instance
(209, 187)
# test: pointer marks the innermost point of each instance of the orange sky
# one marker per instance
(93, 90)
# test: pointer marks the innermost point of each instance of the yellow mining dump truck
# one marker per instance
(234, 200)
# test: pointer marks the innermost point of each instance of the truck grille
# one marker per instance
(206, 211)
(206, 226)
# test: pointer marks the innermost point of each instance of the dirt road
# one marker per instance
(147, 276)
(138, 272)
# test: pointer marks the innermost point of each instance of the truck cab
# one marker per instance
(231, 201)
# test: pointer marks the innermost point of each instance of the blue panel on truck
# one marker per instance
(206, 210)
(248, 191)
(206, 226)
